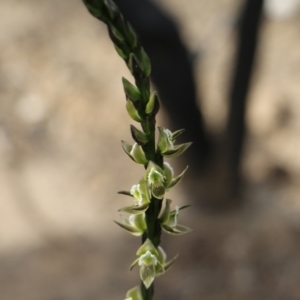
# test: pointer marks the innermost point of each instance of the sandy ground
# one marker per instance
(62, 117)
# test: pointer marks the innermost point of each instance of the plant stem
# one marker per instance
(153, 226)
(129, 48)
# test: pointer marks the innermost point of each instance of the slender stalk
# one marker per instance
(153, 232)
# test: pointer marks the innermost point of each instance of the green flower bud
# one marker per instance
(131, 91)
(139, 136)
(134, 294)
(96, 10)
(127, 148)
(138, 154)
(144, 62)
(132, 111)
(131, 36)
(134, 66)
(112, 9)
(115, 35)
(121, 52)
(153, 105)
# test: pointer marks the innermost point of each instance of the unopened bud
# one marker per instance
(139, 136)
(132, 111)
(152, 106)
(131, 91)
(138, 154)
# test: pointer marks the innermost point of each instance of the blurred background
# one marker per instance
(62, 116)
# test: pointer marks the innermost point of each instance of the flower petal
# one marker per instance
(131, 229)
(147, 246)
(177, 230)
(177, 150)
(135, 209)
(147, 275)
(177, 179)
(165, 216)
(134, 294)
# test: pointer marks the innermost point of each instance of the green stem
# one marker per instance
(153, 226)
(147, 294)
(154, 234)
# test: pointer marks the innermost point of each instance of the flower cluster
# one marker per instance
(155, 183)
(152, 187)
(152, 263)
(148, 215)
